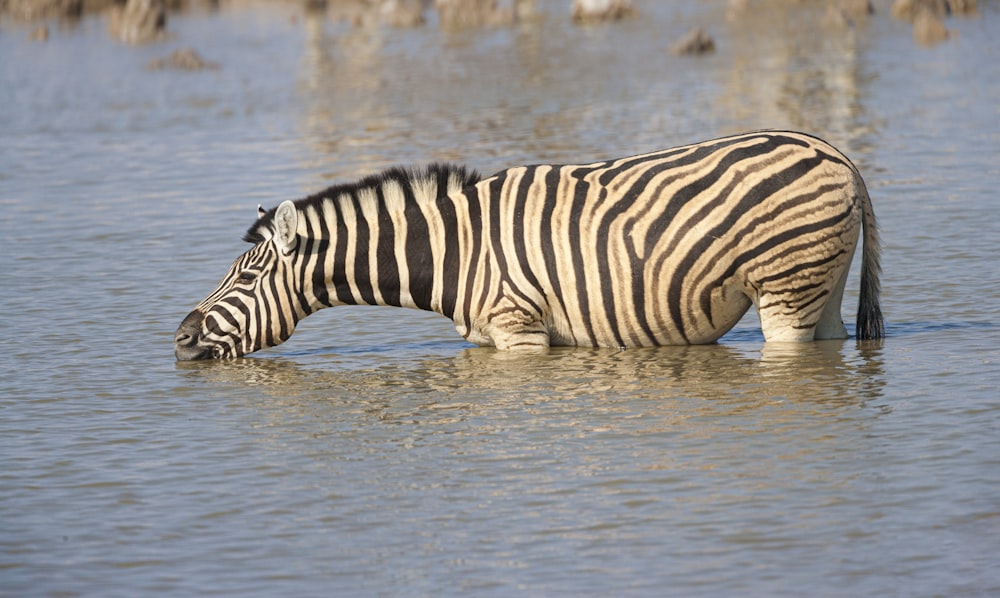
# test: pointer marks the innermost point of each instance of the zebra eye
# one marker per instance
(246, 277)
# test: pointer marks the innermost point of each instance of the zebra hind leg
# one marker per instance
(783, 327)
(803, 311)
(798, 298)
(831, 325)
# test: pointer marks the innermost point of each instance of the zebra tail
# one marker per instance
(870, 324)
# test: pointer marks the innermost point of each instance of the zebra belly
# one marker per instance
(640, 311)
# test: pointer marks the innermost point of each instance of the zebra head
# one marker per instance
(253, 307)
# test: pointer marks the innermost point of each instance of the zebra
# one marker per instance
(664, 248)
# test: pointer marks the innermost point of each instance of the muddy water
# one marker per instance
(377, 453)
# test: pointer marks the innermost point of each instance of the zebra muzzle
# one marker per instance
(187, 345)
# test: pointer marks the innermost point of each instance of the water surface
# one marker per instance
(378, 453)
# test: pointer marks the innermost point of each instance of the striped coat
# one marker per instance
(670, 247)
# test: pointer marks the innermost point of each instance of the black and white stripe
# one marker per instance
(670, 247)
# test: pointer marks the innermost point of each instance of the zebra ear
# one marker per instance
(261, 212)
(286, 224)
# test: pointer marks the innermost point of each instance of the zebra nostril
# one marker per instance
(188, 337)
(189, 332)
(184, 339)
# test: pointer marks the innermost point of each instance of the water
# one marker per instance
(377, 453)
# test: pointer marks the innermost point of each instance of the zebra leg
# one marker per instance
(798, 291)
(511, 327)
(831, 325)
(791, 309)
(524, 338)
(783, 328)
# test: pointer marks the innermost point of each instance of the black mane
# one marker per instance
(441, 173)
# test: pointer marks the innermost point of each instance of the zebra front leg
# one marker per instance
(515, 328)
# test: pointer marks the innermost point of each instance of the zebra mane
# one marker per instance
(449, 177)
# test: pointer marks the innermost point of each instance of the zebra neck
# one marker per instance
(395, 244)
